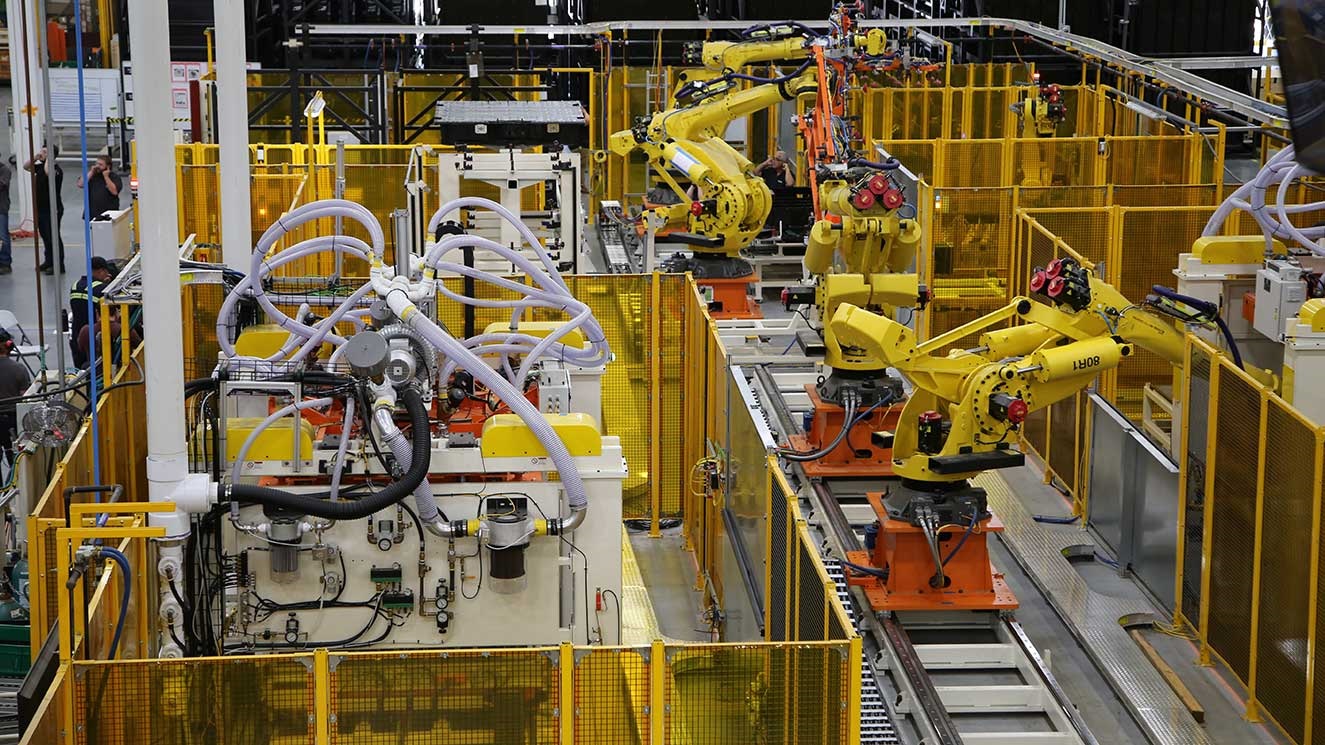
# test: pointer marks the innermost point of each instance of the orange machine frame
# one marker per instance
(844, 461)
(902, 549)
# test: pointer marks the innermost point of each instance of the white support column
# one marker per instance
(232, 134)
(149, 33)
(25, 73)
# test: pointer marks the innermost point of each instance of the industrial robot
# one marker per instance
(928, 550)
(1040, 111)
(861, 248)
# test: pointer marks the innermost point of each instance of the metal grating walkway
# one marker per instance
(1093, 619)
(875, 726)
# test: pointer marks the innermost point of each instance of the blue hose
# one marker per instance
(87, 246)
(123, 561)
(1205, 308)
(975, 519)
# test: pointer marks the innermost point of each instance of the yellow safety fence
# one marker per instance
(703, 694)
(1249, 526)
(801, 687)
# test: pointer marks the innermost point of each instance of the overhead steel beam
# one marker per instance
(1169, 72)
(1217, 63)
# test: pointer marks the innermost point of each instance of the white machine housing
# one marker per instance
(1304, 360)
(1281, 289)
(551, 608)
(1225, 285)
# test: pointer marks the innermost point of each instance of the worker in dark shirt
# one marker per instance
(103, 186)
(42, 166)
(14, 380)
(78, 305)
(6, 257)
(776, 171)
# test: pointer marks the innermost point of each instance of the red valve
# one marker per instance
(1017, 411)
(863, 199)
(1038, 281)
(879, 184)
(1053, 98)
(696, 208)
(1055, 268)
(892, 199)
(1056, 287)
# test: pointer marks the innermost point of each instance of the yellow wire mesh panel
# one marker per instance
(1062, 196)
(1194, 474)
(972, 259)
(1149, 160)
(47, 726)
(612, 698)
(811, 610)
(758, 694)
(199, 205)
(972, 163)
(747, 489)
(1087, 232)
(451, 698)
(916, 156)
(987, 115)
(672, 469)
(1290, 491)
(782, 541)
(1151, 240)
(1067, 162)
(223, 701)
(1235, 476)
(1168, 195)
(1064, 421)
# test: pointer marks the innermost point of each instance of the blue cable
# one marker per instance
(975, 519)
(123, 561)
(87, 251)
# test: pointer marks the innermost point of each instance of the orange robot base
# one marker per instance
(731, 298)
(974, 584)
(857, 455)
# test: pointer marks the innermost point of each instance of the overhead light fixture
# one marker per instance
(1144, 109)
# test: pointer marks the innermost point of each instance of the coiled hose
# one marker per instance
(318, 505)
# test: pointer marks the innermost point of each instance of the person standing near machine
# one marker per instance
(78, 311)
(6, 255)
(103, 187)
(43, 166)
(14, 380)
(776, 171)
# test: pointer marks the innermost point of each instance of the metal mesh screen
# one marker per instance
(972, 163)
(1169, 195)
(781, 539)
(1198, 414)
(242, 700)
(1151, 240)
(1062, 196)
(987, 115)
(456, 698)
(973, 257)
(1066, 162)
(1235, 475)
(612, 698)
(1064, 418)
(1149, 160)
(916, 156)
(672, 468)
(1284, 590)
(812, 605)
(759, 694)
(747, 491)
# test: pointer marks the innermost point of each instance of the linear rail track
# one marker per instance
(978, 669)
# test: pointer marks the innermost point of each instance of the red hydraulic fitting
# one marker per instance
(892, 199)
(696, 208)
(1054, 269)
(863, 199)
(1056, 287)
(879, 184)
(1038, 280)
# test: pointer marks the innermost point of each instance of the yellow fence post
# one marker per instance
(1313, 577)
(770, 465)
(855, 653)
(566, 692)
(655, 402)
(1253, 708)
(322, 696)
(657, 692)
(1207, 526)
